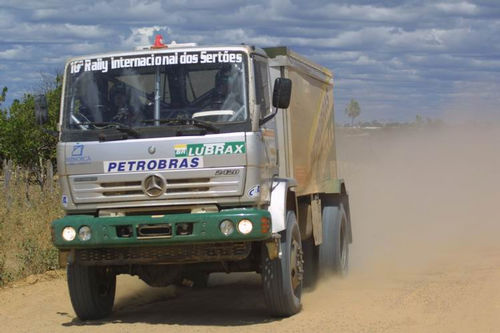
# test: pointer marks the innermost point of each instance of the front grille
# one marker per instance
(173, 186)
(164, 254)
(179, 185)
(188, 180)
(121, 188)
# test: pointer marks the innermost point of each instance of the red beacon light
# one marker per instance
(159, 43)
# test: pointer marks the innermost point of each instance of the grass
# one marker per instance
(25, 239)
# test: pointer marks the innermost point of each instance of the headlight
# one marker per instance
(68, 234)
(226, 227)
(245, 226)
(84, 233)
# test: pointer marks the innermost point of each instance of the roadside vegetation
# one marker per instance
(29, 195)
(418, 122)
(25, 215)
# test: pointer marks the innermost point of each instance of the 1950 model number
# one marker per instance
(227, 172)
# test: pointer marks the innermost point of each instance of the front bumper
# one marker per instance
(106, 232)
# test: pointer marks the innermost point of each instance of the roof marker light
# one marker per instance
(158, 43)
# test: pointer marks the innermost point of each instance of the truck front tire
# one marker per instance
(92, 290)
(334, 250)
(282, 277)
(311, 264)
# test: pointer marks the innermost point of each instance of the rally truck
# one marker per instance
(176, 161)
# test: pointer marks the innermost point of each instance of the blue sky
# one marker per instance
(397, 58)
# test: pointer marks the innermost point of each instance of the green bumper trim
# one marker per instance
(205, 228)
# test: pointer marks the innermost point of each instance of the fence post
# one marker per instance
(17, 175)
(49, 179)
(7, 173)
(7, 176)
(26, 177)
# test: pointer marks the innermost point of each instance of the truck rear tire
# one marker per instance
(334, 250)
(92, 290)
(282, 277)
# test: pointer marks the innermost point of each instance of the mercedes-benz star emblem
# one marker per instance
(154, 185)
(151, 150)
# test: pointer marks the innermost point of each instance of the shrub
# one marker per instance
(25, 240)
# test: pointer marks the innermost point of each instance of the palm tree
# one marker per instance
(353, 110)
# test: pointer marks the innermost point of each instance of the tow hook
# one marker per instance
(274, 247)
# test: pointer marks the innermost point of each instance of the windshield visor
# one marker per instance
(156, 90)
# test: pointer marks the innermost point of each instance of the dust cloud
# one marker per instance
(419, 195)
(426, 221)
(425, 257)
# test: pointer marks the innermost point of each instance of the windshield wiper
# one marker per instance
(183, 122)
(114, 125)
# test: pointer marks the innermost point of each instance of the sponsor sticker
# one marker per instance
(64, 201)
(157, 164)
(206, 149)
(78, 156)
(77, 150)
(254, 191)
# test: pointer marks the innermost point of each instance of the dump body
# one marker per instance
(306, 140)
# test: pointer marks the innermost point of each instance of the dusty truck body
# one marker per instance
(199, 166)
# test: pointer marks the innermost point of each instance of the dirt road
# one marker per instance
(425, 258)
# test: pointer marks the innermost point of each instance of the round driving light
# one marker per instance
(226, 227)
(68, 233)
(84, 233)
(245, 226)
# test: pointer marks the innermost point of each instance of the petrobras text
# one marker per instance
(157, 164)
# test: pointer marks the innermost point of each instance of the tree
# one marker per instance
(3, 119)
(353, 110)
(21, 139)
(419, 121)
(2, 95)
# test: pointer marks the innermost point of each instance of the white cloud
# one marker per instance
(6, 19)
(365, 60)
(365, 13)
(86, 31)
(104, 11)
(18, 52)
(458, 8)
(53, 33)
(142, 36)
(238, 36)
(86, 47)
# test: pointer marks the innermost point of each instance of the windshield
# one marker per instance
(156, 90)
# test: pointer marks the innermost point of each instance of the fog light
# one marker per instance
(245, 226)
(84, 233)
(68, 234)
(226, 227)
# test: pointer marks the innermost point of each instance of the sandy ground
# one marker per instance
(425, 257)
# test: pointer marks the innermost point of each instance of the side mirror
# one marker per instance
(281, 97)
(41, 111)
(282, 92)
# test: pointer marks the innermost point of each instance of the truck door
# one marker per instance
(263, 98)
